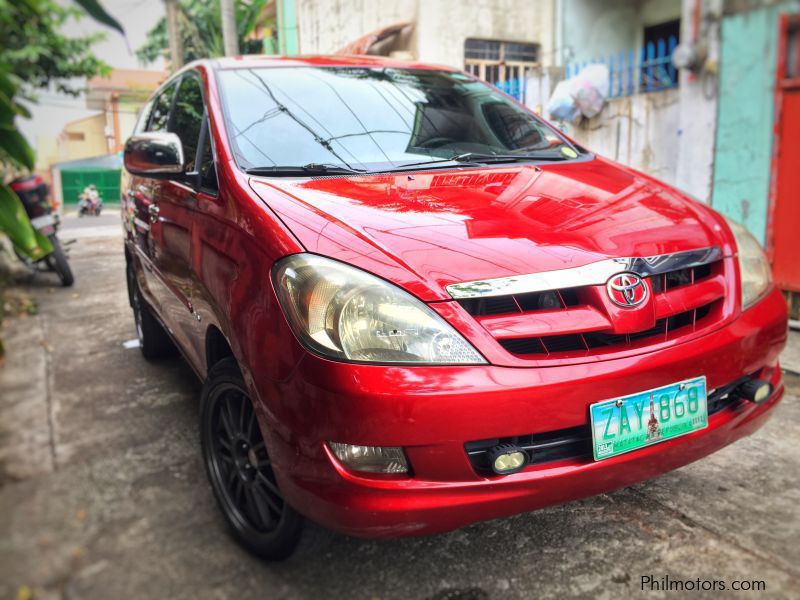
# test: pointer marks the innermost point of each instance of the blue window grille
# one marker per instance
(649, 69)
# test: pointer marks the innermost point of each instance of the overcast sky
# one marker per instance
(137, 17)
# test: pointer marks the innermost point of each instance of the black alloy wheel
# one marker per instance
(240, 470)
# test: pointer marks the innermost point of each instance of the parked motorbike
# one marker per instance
(27, 218)
(90, 202)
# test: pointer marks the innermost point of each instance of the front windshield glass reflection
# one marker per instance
(375, 118)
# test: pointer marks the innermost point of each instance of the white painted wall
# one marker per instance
(594, 30)
(327, 25)
(698, 107)
(639, 131)
(669, 135)
(444, 25)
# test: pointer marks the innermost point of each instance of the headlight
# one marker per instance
(346, 314)
(754, 268)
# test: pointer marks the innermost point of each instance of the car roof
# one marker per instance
(361, 60)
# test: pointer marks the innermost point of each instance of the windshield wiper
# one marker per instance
(476, 159)
(457, 159)
(501, 158)
(309, 169)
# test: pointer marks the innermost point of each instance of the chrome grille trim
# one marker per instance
(596, 273)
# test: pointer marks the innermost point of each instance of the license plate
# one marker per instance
(631, 422)
(43, 221)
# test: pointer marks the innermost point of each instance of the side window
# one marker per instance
(160, 115)
(187, 117)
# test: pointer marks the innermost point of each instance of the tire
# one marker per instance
(154, 341)
(239, 469)
(58, 262)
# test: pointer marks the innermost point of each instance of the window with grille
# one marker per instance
(496, 61)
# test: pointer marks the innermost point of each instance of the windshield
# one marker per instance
(376, 119)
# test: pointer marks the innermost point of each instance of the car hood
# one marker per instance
(426, 230)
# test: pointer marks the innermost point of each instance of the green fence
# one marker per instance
(73, 182)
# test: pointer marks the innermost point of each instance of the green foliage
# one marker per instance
(34, 55)
(200, 27)
(14, 150)
(38, 54)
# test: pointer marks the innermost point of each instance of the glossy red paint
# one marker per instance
(210, 256)
(435, 228)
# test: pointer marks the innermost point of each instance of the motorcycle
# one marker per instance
(27, 218)
(90, 202)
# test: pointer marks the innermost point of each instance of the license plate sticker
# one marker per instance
(631, 422)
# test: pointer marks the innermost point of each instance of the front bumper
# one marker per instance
(433, 411)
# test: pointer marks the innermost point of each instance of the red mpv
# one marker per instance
(415, 305)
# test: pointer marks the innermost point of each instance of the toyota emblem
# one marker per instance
(626, 290)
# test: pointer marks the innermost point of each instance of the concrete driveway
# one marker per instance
(103, 495)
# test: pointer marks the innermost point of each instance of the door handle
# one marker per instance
(153, 210)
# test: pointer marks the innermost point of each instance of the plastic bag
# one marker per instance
(589, 89)
(562, 106)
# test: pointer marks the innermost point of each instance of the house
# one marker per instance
(703, 94)
(87, 150)
(83, 138)
(497, 40)
(722, 128)
(120, 96)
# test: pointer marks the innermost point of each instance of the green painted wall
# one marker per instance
(744, 127)
(73, 182)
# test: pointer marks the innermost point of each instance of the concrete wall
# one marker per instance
(93, 142)
(698, 105)
(442, 26)
(327, 25)
(640, 131)
(593, 30)
(746, 112)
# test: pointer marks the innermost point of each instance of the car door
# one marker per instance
(173, 213)
(142, 200)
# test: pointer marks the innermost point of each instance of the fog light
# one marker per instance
(755, 390)
(506, 459)
(372, 459)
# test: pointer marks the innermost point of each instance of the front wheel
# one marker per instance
(239, 468)
(58, 262)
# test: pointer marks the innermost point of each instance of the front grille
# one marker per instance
(574, 322)
(575, 442)
(520, 303)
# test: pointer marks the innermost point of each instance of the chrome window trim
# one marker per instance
(596, 273)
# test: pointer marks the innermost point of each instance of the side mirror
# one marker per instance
(154, 154)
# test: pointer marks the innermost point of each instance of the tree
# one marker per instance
(34, 55)
(201, 30)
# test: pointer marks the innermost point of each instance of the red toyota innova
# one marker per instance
(415, 305)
